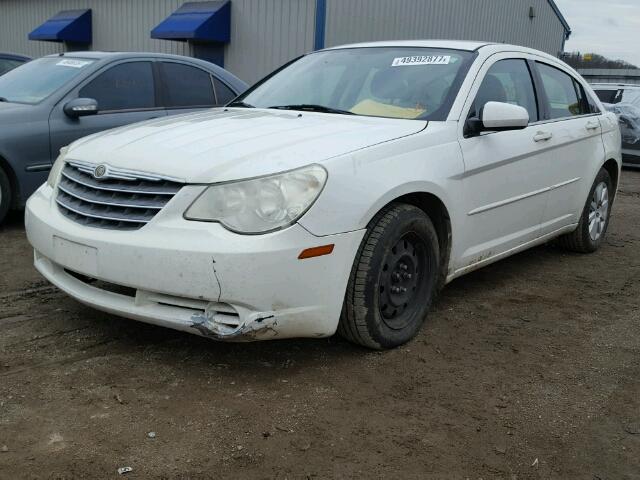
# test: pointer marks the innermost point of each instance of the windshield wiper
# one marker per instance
(313, 108)
(241, 104)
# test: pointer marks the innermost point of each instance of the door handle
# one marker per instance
(542, 136)
(591, 125)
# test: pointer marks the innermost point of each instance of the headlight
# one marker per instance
(57, 168)
(262, 204)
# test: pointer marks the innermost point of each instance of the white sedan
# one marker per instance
(338, 194)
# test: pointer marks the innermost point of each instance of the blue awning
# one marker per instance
(68, 26)
(199, 21)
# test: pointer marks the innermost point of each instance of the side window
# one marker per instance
(223, 93)
(608, 96)
(127, 86)
(563, 93)
(187, 86)
(7, 64)
(508, 81)
(593, 106)
(587, 105)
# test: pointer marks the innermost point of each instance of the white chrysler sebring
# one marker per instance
(339, 193)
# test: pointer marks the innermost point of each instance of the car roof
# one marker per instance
(14, 56)
(615, 86)
(99, 56)
(447, 44)
(486, 48)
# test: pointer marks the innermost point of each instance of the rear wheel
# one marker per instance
(5, 195)
(594, 221)
(393, 279)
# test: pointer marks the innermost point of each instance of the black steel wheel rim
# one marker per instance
(401, 280)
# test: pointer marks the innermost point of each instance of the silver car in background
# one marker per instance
(629, 119)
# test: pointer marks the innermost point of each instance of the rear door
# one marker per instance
(126, 93)
(504, 184)
(575, 145)
(188, 88)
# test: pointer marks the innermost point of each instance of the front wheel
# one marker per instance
(393, 279)
(594, 220)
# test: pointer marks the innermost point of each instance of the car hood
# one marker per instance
(14, 112)
(229, 144)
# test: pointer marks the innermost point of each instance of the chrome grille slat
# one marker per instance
(103, 198)
(143, 187)
(102, 212)
(114, 202)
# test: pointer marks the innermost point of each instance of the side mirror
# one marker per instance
(498, 117)
(81, 107)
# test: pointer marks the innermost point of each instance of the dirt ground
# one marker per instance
(527, 369)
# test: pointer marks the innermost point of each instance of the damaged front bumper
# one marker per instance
(196, 277)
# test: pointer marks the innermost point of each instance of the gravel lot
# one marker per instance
(529, 368)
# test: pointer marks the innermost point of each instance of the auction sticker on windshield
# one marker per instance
(421, 60)
(67, 62)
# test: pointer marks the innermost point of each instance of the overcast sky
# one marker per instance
(608, 27)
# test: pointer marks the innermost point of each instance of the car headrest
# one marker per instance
(389, 84)
(491, 90)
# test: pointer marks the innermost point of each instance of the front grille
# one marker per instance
(120, 200)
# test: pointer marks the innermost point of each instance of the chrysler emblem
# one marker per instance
(100, 171)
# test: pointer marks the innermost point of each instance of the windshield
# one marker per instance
(392, 82)
(36, 80)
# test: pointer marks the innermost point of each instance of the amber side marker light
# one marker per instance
(316, 251)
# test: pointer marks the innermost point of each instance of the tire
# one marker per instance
(6, 195)
(588, 237)
(393, 279)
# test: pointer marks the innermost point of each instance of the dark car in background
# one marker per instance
(9, 61)
(48, 103)
(614, 93)
(629, 119)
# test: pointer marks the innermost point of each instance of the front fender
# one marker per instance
(360, 184)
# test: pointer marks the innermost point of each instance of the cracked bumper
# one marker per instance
(196, 277)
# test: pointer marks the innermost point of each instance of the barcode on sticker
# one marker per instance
(67, 62)
(422, 60)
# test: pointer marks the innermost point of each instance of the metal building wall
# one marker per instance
(264, 33)
(117, 24)
(267, 33)
(505, 21)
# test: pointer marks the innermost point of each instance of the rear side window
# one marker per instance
(593, 107)
(565, 96)
(187, 86)
(223, 93)
(609, 96)
(7, 64)
(127, 86)
(508, 81)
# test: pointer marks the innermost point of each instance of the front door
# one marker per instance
(125, 93)
(187, 88)
(504, 181)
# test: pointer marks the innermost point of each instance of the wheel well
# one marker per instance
(611, 166)
(437, 212)
(13, 181)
